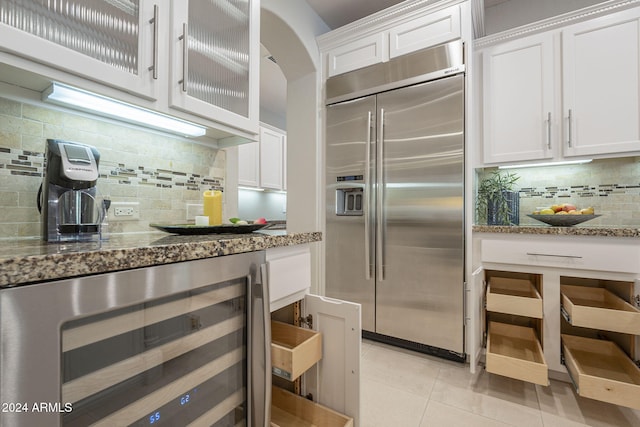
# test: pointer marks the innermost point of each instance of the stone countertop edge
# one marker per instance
(559, 231)
(40, 267)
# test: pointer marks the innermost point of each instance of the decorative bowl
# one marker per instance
(192, 229)
(563, 220)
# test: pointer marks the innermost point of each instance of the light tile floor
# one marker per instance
(402, 388)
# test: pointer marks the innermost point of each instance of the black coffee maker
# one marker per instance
(67, 196)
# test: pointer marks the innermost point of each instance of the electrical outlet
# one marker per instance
(124, 211)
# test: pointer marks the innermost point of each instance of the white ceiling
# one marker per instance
(336, 13)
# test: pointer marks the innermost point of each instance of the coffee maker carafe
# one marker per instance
(67, 197)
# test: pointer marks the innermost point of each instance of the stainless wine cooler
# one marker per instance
(173, 345)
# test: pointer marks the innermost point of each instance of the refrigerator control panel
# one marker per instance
(349, 202)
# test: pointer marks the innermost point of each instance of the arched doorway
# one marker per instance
(288, 31)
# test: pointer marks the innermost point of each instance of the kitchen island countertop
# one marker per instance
(604, 231)
(32, 260)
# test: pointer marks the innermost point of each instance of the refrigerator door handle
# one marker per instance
(367, 208)
(380, 238)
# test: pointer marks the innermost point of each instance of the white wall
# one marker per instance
(514, 13)
(288, 31)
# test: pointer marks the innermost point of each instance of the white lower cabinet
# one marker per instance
(319, 359)
(558, 311)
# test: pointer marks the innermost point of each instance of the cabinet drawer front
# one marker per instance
(358, 54)
(591, 256)
(426, 31)
(289, 271)
(514, 296)
(614, 379)
(515, 352)
(598, 308)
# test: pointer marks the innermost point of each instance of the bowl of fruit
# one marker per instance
(564, 215)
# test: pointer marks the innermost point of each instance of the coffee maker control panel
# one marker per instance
(78, 163)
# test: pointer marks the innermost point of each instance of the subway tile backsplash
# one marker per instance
(161, 172)
(611, 186)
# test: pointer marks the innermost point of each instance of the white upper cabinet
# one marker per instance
(601, 89)
(114, 43)
(433, 29)
(358, 54)
(390, 37)
(518, 100)
(249, 164)
(564, 93)
(262, 164)
(214, 60)
(198, 60)
(271, 158)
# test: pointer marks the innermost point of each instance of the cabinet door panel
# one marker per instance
(249, 164)
(105, 42)
(601, 78)
(271, 145)
(475, 318)
(518, 100)
(435, 28)
(358, 54)
(335, 381)
(214, 61)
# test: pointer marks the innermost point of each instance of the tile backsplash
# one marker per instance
(162, 173)
(610, 186)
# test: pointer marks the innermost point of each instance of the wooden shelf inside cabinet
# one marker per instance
(598, 308)
(515, 352)
(514, 296)
(293, 349)
(601, 370)
(291, 410)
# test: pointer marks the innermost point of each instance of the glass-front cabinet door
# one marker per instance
(214, 61)
(114, 42)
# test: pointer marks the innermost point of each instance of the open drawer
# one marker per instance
(598, 308)
(515, 352)
(293, 349)
(290, 410)
(514, 296)
(601, 370)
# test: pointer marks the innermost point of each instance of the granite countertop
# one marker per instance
(32, 260)
(604, 231)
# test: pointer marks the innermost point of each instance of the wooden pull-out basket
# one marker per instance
(597, 308)
(514, 296)
(601, 370)
(290, 410)
(515, 352)
(293, 349)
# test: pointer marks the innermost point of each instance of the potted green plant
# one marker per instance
(497, 203)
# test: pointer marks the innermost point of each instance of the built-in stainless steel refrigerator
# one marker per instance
(395, 198)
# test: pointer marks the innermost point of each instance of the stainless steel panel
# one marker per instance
(31, 317)
(417, 67)
(349, 239)
(420, 298)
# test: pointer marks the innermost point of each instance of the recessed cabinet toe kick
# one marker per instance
(567, 308)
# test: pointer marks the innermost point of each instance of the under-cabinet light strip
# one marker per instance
(534, 165)
(104, 106)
